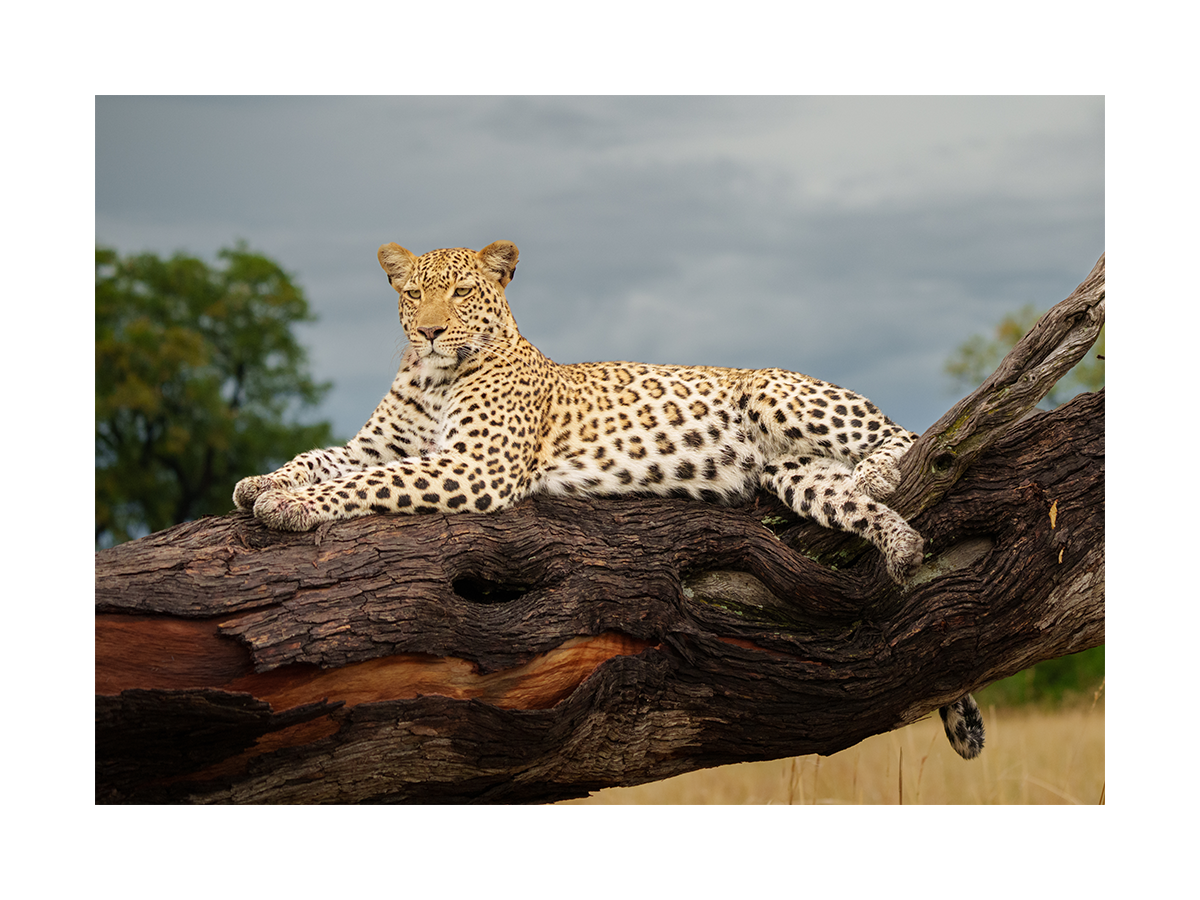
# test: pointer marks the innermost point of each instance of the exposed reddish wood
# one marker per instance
(170, 654)
(135, 651)
(148, 652)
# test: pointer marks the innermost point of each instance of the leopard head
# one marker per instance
(452, 302)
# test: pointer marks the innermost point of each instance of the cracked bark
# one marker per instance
(565, 646)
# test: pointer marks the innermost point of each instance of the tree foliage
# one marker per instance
(199, 380)
(978, 356)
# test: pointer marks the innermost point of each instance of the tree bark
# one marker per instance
(565, 646)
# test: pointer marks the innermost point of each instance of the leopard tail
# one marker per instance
(964, 726)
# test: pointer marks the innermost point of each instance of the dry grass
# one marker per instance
(1032, 756)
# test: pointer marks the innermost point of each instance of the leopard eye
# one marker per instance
(461, 291)
(413, 295)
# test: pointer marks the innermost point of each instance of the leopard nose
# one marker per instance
(432, 331)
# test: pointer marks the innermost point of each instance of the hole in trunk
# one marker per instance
(480, 590)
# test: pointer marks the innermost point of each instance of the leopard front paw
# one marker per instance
(248, 490)
(285, 511)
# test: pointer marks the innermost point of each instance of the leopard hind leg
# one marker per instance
(827, 491)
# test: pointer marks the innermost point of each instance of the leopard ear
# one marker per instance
(397, 262)
(499, 259)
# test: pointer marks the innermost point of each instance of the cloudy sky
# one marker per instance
(858, 240)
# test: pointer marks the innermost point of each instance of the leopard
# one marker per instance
(478, 419)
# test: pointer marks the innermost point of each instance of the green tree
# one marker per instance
(198, 383)
(1082, 674)
(978, 356)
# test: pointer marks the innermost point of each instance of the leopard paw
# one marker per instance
(284, 511)
(248, 490)
(905, 555)
(877, 476)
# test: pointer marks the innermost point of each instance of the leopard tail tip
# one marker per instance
(964, 726)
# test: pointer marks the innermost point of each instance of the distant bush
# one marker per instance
(200, 381)
(1077, 678)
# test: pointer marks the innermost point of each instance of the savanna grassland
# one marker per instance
(1033, 755)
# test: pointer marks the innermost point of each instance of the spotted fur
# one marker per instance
(964, 726)
(478, 419)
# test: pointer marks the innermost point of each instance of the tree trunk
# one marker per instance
(565, 646)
